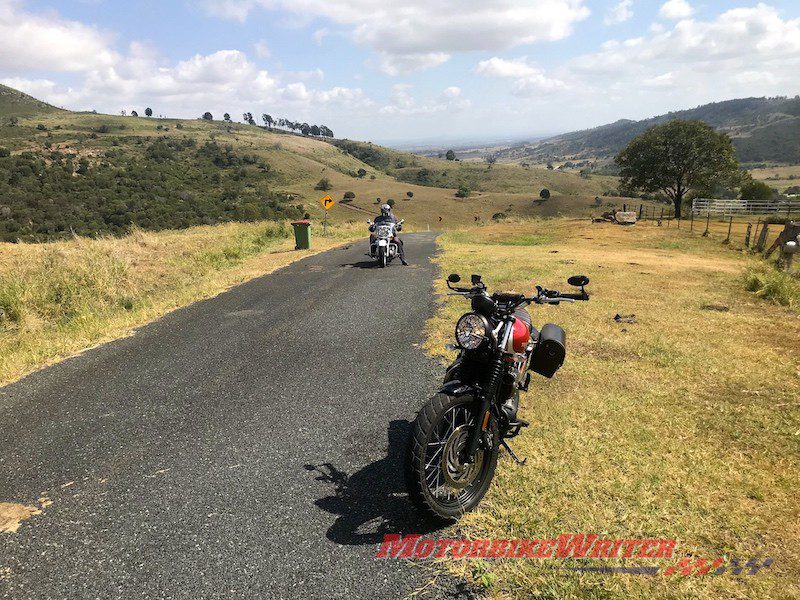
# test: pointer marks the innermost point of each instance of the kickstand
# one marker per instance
(511, 452)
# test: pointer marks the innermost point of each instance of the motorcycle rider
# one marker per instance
(386, 217)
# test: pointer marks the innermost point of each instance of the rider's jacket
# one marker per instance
(384, 220)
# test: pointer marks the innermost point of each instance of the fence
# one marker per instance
(746, 231)
(727, 207)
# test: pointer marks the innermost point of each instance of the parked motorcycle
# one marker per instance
(457, 434)
(382, 245)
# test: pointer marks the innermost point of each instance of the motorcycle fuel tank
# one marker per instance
(520, 336)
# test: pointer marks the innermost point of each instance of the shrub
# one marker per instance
(410, 195)
(324, 184)
(41, 127)
(4, 152)
(463, 192)
(498, 216)
(349, 195)
(544, 194)
(390, 202)
(773, 285)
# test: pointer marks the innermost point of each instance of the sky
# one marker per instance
(402, 70)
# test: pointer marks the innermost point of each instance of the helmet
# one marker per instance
(386, 209)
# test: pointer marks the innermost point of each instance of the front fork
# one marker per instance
(484, 400)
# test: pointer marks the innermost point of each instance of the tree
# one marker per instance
(450, 155)
(390, 202)
(305, 128)
(463, 192)
(490, 159)
(410, 195)
(544, 194)
(324, 184)
(148, 112)
(314, 130)
(348, 196)
(361, 172)
(134, 113)
(756, 190)
(268, 120)
(207, 116)
(226, 117)
(677, 157)
(550, 166)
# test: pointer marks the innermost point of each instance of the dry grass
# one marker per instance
(59, 298)
(684, 425)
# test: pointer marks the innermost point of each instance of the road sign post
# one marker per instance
(327, 203)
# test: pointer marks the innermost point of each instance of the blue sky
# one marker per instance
(403, 71)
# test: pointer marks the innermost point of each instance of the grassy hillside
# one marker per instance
(669, 427)
(763, 129)
(14, 103)
(88, 173)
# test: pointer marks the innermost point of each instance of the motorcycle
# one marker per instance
(381, 242)
(457, 434)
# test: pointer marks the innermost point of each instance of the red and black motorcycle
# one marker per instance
(457, 434)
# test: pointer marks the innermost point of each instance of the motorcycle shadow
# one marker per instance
(372, 501)
(363, 264)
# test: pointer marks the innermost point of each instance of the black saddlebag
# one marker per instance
(551, 348)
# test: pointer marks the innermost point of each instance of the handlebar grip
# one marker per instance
(583, 296)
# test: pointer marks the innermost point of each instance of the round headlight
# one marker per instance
(471, 331)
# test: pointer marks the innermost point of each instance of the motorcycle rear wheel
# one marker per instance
(438, 481)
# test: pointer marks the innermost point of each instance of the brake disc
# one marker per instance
(457, 474)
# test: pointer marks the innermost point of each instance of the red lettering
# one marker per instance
(479, 548)
(574, 545)
(397, 546)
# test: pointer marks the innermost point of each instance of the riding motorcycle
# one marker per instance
(382, 245)
(456, 437)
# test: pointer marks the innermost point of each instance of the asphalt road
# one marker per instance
(245, 446)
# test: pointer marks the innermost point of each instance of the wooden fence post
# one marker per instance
(747, 236)
(691, 221)
(762, 238)
(708, 221)
(730, 224)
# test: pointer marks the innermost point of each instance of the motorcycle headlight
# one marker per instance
(471, 331)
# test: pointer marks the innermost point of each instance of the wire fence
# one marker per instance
(755, 232)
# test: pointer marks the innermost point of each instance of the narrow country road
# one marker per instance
(247, 446)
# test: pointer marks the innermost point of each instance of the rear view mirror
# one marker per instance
(476, 279)
(453, 278)
(578, 280)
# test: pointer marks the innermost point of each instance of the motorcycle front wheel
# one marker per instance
(438, 480)
(382, 256)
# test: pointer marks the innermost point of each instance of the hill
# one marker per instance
(14, 103)
(763, 130)
(64, 172)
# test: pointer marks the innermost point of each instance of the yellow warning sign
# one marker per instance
(327, 202)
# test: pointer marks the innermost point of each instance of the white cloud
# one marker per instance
(528, 79)
(48, 42)
(320, 35)
(619, 13)
(403, 103)
(741, 52)
(262, 49)
(418, 34)
(675, 10)
(403, 64)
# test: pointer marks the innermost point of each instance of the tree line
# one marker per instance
(268, 120)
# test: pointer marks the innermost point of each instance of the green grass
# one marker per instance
(776, 286)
